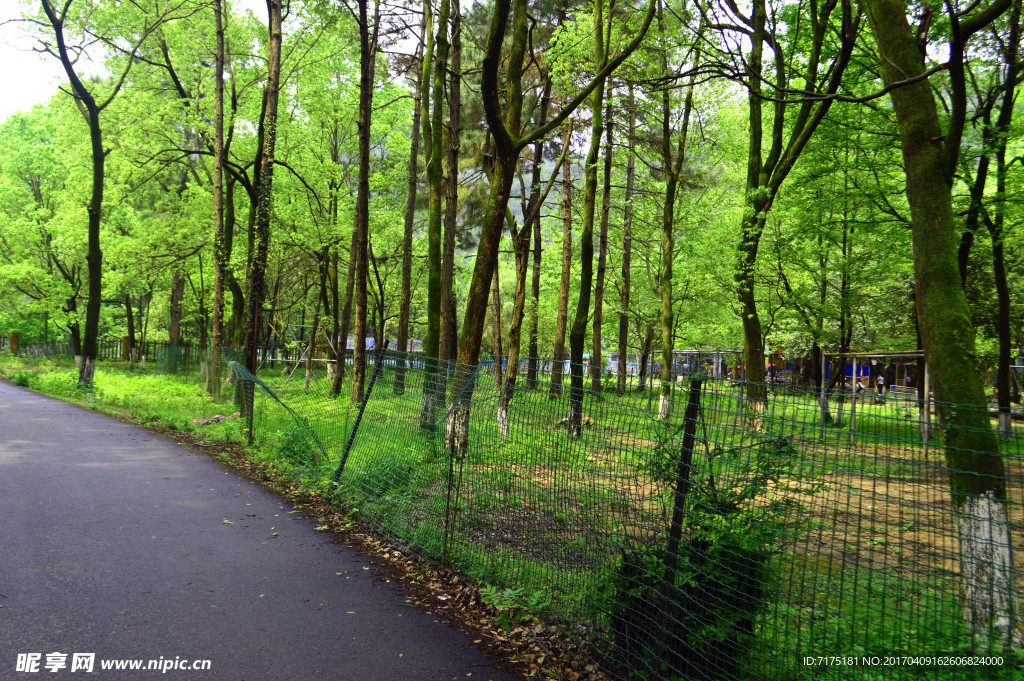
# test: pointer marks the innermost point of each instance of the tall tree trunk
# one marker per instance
(769, 164)
(596, 359)
(334, 277)
(346, 316)
(367, 50)
(221, 255)
(994, 142)
(236, 325)
(521, 252)
(177, 296)
(976, 470)
(144, 308)
(321, 295)
(435, 62)
(405, 303)
(673, 165)
(76, 332)
(753, 222)
(561, 321)
(447, 347)
(174, 331)
(264, 194)
(627, 246)
(533, 350)
(577, 335)
(130, 351)
(94, 254)
(496, 326)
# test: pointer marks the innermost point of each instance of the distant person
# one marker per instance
(880, 384)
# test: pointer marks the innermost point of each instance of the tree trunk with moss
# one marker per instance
(448, 345)
(562, 316)
(596, 359)
(976, 470)
(578, 333)
(435, 64)
(770, 161)
(627, 246)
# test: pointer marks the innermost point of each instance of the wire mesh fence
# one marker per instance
(738, 538)
(741, 537)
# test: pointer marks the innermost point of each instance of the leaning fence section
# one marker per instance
(748, 532)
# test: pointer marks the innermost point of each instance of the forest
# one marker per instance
(525, 180)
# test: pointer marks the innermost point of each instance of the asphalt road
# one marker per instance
(122, 544)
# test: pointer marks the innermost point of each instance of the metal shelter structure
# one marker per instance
(924, 389)
(694, 357)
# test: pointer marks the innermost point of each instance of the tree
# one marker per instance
(264, 186)
(561, 323)
(577, 333)
(435, 63)
(672, 167)
(41, 254)
(505, 130)
(409, 221)
(818, 75)
(596, 363)
(361, 229)
(92, 102)
(220, 251)
(930, 154)
(627, 246)
(994, 95)
(448, 345)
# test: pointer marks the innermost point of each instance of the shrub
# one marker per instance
(693, 613)
(297, 446)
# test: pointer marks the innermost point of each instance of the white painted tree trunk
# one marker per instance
(1005, 427)
(664, 406)
(87, 370)
(503, 419)
(456, 432)
(987, 588)
(756, 412)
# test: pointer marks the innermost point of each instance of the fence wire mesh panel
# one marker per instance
(755, 527)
